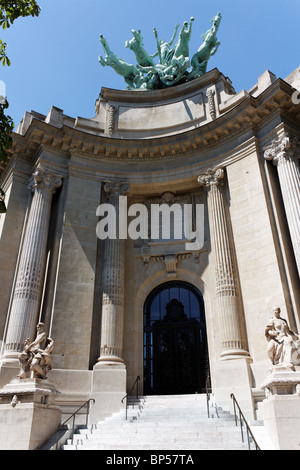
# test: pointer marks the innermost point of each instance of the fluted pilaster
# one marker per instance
(113, 286)
(30, 277)
(233, 337)
(282, 154)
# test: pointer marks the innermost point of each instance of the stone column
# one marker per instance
(230, 311)
(283, 156)
(111, 350)
(25, 306)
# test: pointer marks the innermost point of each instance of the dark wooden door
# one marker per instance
(175, 342)
(176, 357)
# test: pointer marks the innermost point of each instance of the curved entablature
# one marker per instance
(147, 115)
(187, 143)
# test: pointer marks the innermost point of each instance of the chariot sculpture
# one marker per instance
(174, 66)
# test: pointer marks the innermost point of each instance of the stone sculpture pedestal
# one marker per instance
(28, 414)
(281, 408)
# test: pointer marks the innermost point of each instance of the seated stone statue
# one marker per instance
(35, 360)
(283, 344)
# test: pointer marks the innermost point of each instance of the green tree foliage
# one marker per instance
(6, 127)
(9, 12)
(3, 57)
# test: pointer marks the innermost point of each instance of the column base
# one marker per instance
(110, 359)
(9, 368)
(234, 376)
(108, 389)
(229, 354)
(10, 358)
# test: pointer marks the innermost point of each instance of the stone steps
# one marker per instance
(162, 423)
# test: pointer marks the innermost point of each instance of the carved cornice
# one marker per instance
(249, 115)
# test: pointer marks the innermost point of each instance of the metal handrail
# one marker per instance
(208, 391)
(60, 427)
(243, 421)
(76, 412)
(135, 384)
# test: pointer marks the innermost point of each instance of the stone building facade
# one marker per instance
(174, 313)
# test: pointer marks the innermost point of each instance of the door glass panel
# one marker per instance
(174, 293)
(194, 305)
(184, 299)
(155, 310)
(175, 345)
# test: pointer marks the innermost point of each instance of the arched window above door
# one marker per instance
(185, 293)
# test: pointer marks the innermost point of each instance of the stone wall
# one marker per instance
(171, 142)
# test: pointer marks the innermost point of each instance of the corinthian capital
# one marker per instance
(45, 179)
(278, 151)
(212, 178)
(116, 189)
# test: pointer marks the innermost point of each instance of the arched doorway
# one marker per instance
(175, 341)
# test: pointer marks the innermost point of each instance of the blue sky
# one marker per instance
(55, 56)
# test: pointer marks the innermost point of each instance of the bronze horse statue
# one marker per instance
(128, 71)
(174, 61)
(207, 49)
